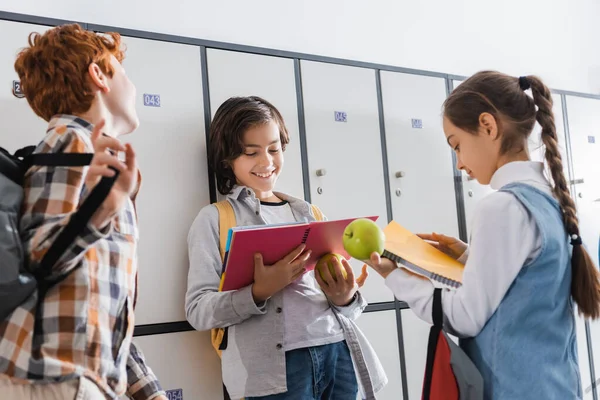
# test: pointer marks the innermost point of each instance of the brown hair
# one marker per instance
(226, 143)
(503, 97)
(53, 69)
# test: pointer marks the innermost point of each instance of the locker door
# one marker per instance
(272, 78)
(344, 149)
(419, 159)
(380, 327)
(584, 120)
(20, 125)
(171, 150)
(185, 363)
(416, 336)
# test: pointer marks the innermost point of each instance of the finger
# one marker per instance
(258, 261)
(320, 280)
(375, 259)
(443, 238)
(425, 236)
(97, 132)
(349, 271)
(100, 170)
(107, 142)
(360, 281)
(299, 274)
(130, 159)
(328, 276)
(294, 253)
(301, 260)
(105, 159)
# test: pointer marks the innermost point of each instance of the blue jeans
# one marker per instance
(318, 373)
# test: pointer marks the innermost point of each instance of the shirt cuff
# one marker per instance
(463, 257)
(244, 305)
(354, 309)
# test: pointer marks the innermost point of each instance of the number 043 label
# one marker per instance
(151, 100)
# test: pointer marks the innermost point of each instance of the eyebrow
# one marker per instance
(448, 140)
(256, 145)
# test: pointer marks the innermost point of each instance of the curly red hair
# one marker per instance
(54, 68)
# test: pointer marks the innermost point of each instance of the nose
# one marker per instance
(265, 159)
(459, 164)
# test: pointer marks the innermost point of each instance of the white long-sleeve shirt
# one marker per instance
(504, 238)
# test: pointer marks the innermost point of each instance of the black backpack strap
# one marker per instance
(436, 310)
(434, 335)
(60, 159)
(76, 224)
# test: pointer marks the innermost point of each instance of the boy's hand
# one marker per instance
(99, 167)
(383, 266)
(270, 279)
(341, 290)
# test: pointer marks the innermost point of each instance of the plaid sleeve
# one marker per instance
(142, 384)
(51, 196)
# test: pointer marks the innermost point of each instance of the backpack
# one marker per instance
(449, 373)
(227, 221)
(17, 283)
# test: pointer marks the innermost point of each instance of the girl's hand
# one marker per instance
(383, 266)
(338, 289)
(449, 245)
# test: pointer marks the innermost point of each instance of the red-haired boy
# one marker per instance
(81, 347)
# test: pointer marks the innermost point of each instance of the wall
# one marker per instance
(558, 42)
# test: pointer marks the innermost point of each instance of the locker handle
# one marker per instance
(576, 181)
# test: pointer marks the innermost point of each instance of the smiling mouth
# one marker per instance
(265, 175)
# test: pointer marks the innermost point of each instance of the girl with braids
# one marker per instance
(525, 267)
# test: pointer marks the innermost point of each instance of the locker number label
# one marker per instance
(152, 100)
(417, 123)
(176, 394)
(17, 92)
(592, 139)
(341, 116)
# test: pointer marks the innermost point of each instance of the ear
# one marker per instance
(488, 125)
(98, 78)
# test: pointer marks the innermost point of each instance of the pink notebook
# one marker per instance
(275, 242)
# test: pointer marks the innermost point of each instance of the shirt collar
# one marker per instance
(70, 121)
(531, 172)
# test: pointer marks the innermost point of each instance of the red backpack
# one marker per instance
(449, 373)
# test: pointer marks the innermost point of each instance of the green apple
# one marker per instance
(327, 262)
(362, 237)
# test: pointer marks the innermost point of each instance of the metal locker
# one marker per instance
(272, 78)
(185, 363)
(20, 125)
(583, 121)
(419, 159)
(171, 148)
(381, 328)
(344, 150)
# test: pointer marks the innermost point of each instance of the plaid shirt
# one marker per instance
(87, 320)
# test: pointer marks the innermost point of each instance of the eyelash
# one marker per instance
(270, 151)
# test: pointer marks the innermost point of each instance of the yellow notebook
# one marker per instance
(420, 257)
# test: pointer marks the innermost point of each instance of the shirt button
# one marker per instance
(279, 346)
(257, 213)
(279, 310)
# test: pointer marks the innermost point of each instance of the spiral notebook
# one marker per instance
(275, 242)
(420, 257)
